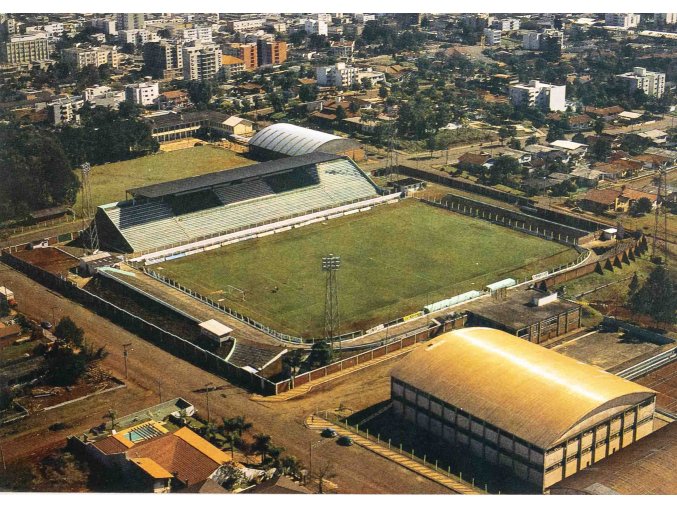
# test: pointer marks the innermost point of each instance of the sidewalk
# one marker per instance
(318, 423)
(305, 388)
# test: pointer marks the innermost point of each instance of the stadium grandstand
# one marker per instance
(191, 209)
(286, 140)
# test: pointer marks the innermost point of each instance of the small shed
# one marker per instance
(215, 331)
(90, 264)
(609, 233)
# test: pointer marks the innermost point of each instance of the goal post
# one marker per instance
(235, 293)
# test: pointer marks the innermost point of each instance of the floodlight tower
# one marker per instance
(92, 239)
(330, 265)
(660, 231)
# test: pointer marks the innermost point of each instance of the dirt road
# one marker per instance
(358, 470)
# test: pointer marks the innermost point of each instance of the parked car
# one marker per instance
(46, 324)
(328, 433)
(345, 441)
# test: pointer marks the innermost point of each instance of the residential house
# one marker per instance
(574, 150)
(473, 159)
(238, 126)
(621, 168)
(173, 99)
(629, 196)
(600, 200)
(606, 113)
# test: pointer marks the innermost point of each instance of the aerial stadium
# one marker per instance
(253, 238)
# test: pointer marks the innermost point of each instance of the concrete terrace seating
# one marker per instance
(243, 191)
(153, 225)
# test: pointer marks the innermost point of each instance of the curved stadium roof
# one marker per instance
(293, 140)
(534, 393)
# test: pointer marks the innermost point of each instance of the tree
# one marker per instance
(531, 140)
(366, 83)
(321, 353)
(555, 132)
(600, 150)
(4, 308)
(69, 332)
(112, 415)
(291, 362)
(642, 205)
(599, 125)
(340, 114)
(502, 169)
(383, 91)
(64, 365)
(325, 472)
(262, 445)
(34, 171)
(308, 93)
(200, 92)
(506, 132)
(291, 465)
(657, 298)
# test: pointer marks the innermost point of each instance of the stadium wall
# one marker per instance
(513, 219)
(165, 340)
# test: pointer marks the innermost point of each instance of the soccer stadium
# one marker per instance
(253, 238)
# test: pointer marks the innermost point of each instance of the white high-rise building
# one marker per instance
(78, 57)
(544, 96)
(316, 26)
(338, 74)
(25, 48)
(201, 61)
(666, 18)
(492, 36)
(103, 96)
(538, 40)
(653, 83)
(506, 25)
(201, 33)
(621, 19)
(143, 94)
(107, 26)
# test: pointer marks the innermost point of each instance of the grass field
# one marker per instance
(395, 260)
(109, 181)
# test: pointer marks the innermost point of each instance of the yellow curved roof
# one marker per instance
(532, 392)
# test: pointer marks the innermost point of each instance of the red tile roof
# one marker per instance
(606, 197)
(110, 445)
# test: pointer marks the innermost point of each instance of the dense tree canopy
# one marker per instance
(657, 297)
(34, 171)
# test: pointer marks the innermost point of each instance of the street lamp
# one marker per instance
(125, 353)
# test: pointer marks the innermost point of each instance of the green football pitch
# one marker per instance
(395, 259)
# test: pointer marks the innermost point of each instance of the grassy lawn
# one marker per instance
(109, 181)
(395, 260)
(12, 352)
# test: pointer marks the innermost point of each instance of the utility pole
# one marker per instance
(125, 353)
(209, 388)
(159, 387)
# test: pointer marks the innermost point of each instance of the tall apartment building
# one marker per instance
(78, 58)
(244, 24)
(492, 36)
(201, 61)
(653, 83)
(202, 33)
(8, 27)
(138, 37)
(25, 48)
(338, 74)
(543, 96)
(316, 26)
(363, 18)
(231, 66)
(248, 53)
(131, 21)
(143, 94)
(271, 52)
(163, 59)
(624, 20)
(538, 40)
(64, 110)
(666, 18)
(107, 26)
(506, 25)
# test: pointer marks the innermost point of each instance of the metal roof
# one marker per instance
(289, 139)
(531, 392)
(205, 181)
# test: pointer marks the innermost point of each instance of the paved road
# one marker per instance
(358, 470)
